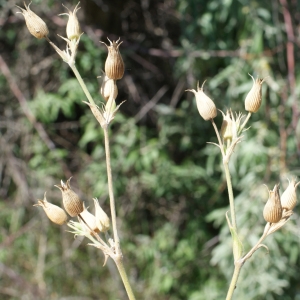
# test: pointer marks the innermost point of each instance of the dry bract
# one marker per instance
(273, 210)
(56, 214)
(205, 105)
(73, 205)
(114, 65)
(253, 99)
(36, 26)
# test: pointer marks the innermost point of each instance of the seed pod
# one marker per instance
(205, 105)
(226, 128)
(273, 210)
(101, 217)
(56, 214)
(73, 28)
(36, 26)
(108, 88)
(89, 220)
(289, 196)
(114, 65)
(73, 205)
(253, 99)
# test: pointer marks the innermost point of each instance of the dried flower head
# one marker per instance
(289, 196)
(73, 205)
(253, 98)
(273, 210)
(205, 105)
(114, 65)
(73, 28)
(108, 88)
(36, 26)
(56, 214)
(101, 217)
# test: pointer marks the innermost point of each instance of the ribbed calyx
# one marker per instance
(36, 26)
(205, 105)
(56, 214)
(289, 196)
(114, 65)
(273, 209)
(72, 204)
(253, 98)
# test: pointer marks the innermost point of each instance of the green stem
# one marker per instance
(111, 193)
(237, 269)
(121, 269)
(81, 82)
(230, 194)
(219, 138)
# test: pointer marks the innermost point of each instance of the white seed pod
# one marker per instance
(114, 65)
(289, 196)
(73, 28)
(108, 88)
(205, 105)
(36, 26)
(273, 210)
(90, 220)
(73, 205)
(102, 219)
(56, 214)
(253, 98)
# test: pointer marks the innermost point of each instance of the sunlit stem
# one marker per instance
(237, 269)
(82, 84)
(219, 138)
(121, 269)
(111, 192)
(230, 194)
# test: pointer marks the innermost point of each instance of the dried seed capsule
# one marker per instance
(108, 88)
(73, 205)
(114, 65)
(73, 28)
(205, 105)
(253, 99)
(273, 210)
(56, 214)
(36, 26)
(89, 220)
(289, 196)
(101, 217)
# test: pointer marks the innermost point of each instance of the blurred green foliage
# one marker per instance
(170, 189)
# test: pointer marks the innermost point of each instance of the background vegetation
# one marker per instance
(170, 191)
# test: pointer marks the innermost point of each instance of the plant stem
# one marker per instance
(230, 194)
(237, 269)
(121, 269)
(81, 82)
(219, 138)
(111, 193)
